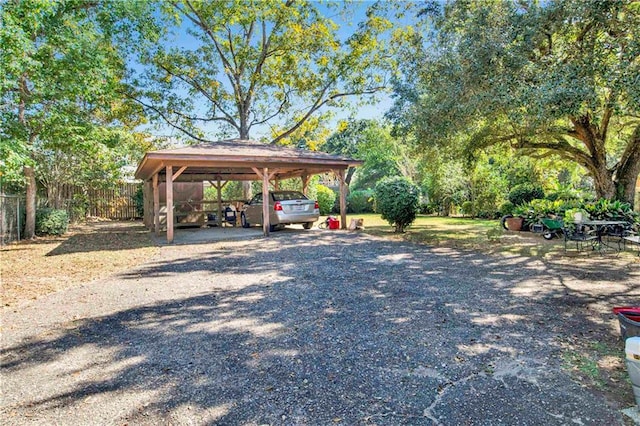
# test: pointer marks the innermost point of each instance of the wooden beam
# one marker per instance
(156, 205)
(274, 173)
(258, 172)
(223, 183)
(169, 188)
(246, 175)
(178, 173)
(215, 184)
(261, 174)
(157, 169)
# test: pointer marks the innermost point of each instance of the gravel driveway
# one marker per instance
(317, 328)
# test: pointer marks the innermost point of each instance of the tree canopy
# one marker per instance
(549, 78)
(59, 83)
(370, 141)
(243, 65)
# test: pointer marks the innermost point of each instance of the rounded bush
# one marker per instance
(506, 208)
(51, 221)
(467, 208)
(360, 201)
(326, 197)
(396, 199)
(524, 193)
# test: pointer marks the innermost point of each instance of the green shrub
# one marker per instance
(467, 208)
(51, 221)
(138, 201)
(360, 201)
(604, 209)
(537, 209)
(524, 193)
(562, 195)
(485, 211)
(326, 198)
(428, 208)
(396, 199)
(506, 208)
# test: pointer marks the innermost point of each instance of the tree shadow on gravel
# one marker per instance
(117, 236)
(329, 329)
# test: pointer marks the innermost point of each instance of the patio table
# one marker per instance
(603, 228)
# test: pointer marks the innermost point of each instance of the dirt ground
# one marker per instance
(33, 268)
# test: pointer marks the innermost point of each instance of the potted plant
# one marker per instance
(514, 223)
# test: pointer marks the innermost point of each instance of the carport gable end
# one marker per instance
(233, 160)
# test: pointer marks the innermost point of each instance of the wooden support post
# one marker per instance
(169, 185)
(266, 177)
(156, 205)
(265, 202)
(218, 185)
(219, 192)
(343, 200)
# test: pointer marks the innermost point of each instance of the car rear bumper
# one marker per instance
(287, 219)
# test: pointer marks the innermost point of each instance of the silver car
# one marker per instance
(285, 208)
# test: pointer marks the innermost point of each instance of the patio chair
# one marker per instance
(579, 235)
(633, 239)
(620, 232)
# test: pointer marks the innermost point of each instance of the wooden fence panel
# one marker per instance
(115, 203)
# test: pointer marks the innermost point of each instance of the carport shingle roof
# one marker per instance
(235, 158)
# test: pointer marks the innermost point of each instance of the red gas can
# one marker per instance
(334, 223)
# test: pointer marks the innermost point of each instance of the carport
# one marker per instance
(234, 160)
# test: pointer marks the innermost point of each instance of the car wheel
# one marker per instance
(243, 220)
(272, 228)
(307, 225)
(548, 235)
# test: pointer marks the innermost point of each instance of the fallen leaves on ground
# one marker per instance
(32, 268)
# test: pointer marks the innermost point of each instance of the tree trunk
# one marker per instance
(627, 174)
(244, 135)
(595, 160)
(246, 190)
(30, 207)
(350, 172)
(603, 183)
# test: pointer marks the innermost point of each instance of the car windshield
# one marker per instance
(288, 195)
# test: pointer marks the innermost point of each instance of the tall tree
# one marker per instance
(58, 80)
(558, 77)
(372, 142)
(239, 65)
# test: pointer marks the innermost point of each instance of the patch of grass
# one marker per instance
(464, 233)
(476, 234)
(582, 363)
(598, 363)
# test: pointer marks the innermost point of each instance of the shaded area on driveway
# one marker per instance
(316, 328)
(199, 235)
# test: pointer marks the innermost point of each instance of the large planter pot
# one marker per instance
(514, 223)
